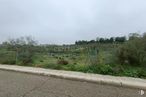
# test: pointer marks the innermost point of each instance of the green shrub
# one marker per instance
(105, 69)
(133, 52)
(142, 73)
(117, 69)
(70, 67)
(41, 60)
(10, 62)
(101, 69)
(24, 48)
(62, 62)
(131, 73)
(7, 57)
(25, 58)
(81, 68)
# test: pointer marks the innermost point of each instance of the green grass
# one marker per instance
(80, 62)
(80, 65)
(7, 57)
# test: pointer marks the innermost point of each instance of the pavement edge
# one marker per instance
(92, 78)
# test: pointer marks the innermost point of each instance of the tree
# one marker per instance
(101, 40)
(92, 41)
(111, 39)
(120, 39)
(134, 36)
(24, 48)
(133, 52)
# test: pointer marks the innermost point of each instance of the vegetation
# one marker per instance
(110, 56)
(133, 52)
(103, 40)
(22, 49)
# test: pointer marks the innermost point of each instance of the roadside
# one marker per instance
(17, 84)
(93, 78)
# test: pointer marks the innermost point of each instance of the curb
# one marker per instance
(126, 82)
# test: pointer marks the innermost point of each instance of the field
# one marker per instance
(116, 58)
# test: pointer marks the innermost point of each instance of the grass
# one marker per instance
(7, 57)
(80, 63)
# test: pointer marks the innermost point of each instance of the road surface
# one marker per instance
(16, 84)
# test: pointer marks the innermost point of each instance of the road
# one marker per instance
(15, 84)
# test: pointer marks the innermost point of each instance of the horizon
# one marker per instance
(95, 39)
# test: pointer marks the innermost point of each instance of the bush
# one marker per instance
(105, 69)
(62, 62)
(131, 73)
(142, 73)
(25, 57)
(7, 57)
(133, 52)
(118, 69)
(24, 48)
(10, 62)
(82, 68)
(41, 60)
(101, 69)
(69, 67)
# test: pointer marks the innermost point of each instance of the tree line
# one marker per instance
(102, 40)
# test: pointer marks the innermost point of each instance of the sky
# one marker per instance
(65, 21)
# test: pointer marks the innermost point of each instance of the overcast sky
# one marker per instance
(65, 21)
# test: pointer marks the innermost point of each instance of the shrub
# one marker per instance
(62, 62)
(131, 73)
(41, 60)
(133, 52)
(25, 57)
(142, 73)
(117, 69)
(8, 61)
(102, 69)
(69, 67)
(7, 57)
(81, 68)
(105, 69)
(24, 48)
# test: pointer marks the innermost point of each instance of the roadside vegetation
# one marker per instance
(110, 56)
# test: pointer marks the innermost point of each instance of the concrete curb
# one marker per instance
(93, 78)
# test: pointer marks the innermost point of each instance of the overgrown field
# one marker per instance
(119, 59)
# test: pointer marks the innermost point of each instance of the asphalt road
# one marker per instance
(15, 84)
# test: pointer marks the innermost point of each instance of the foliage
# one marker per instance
(62, 62)
(23, 48)
(25, 57)
(133, 52)
(121, 39)
(109, 56)
(7, 57)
